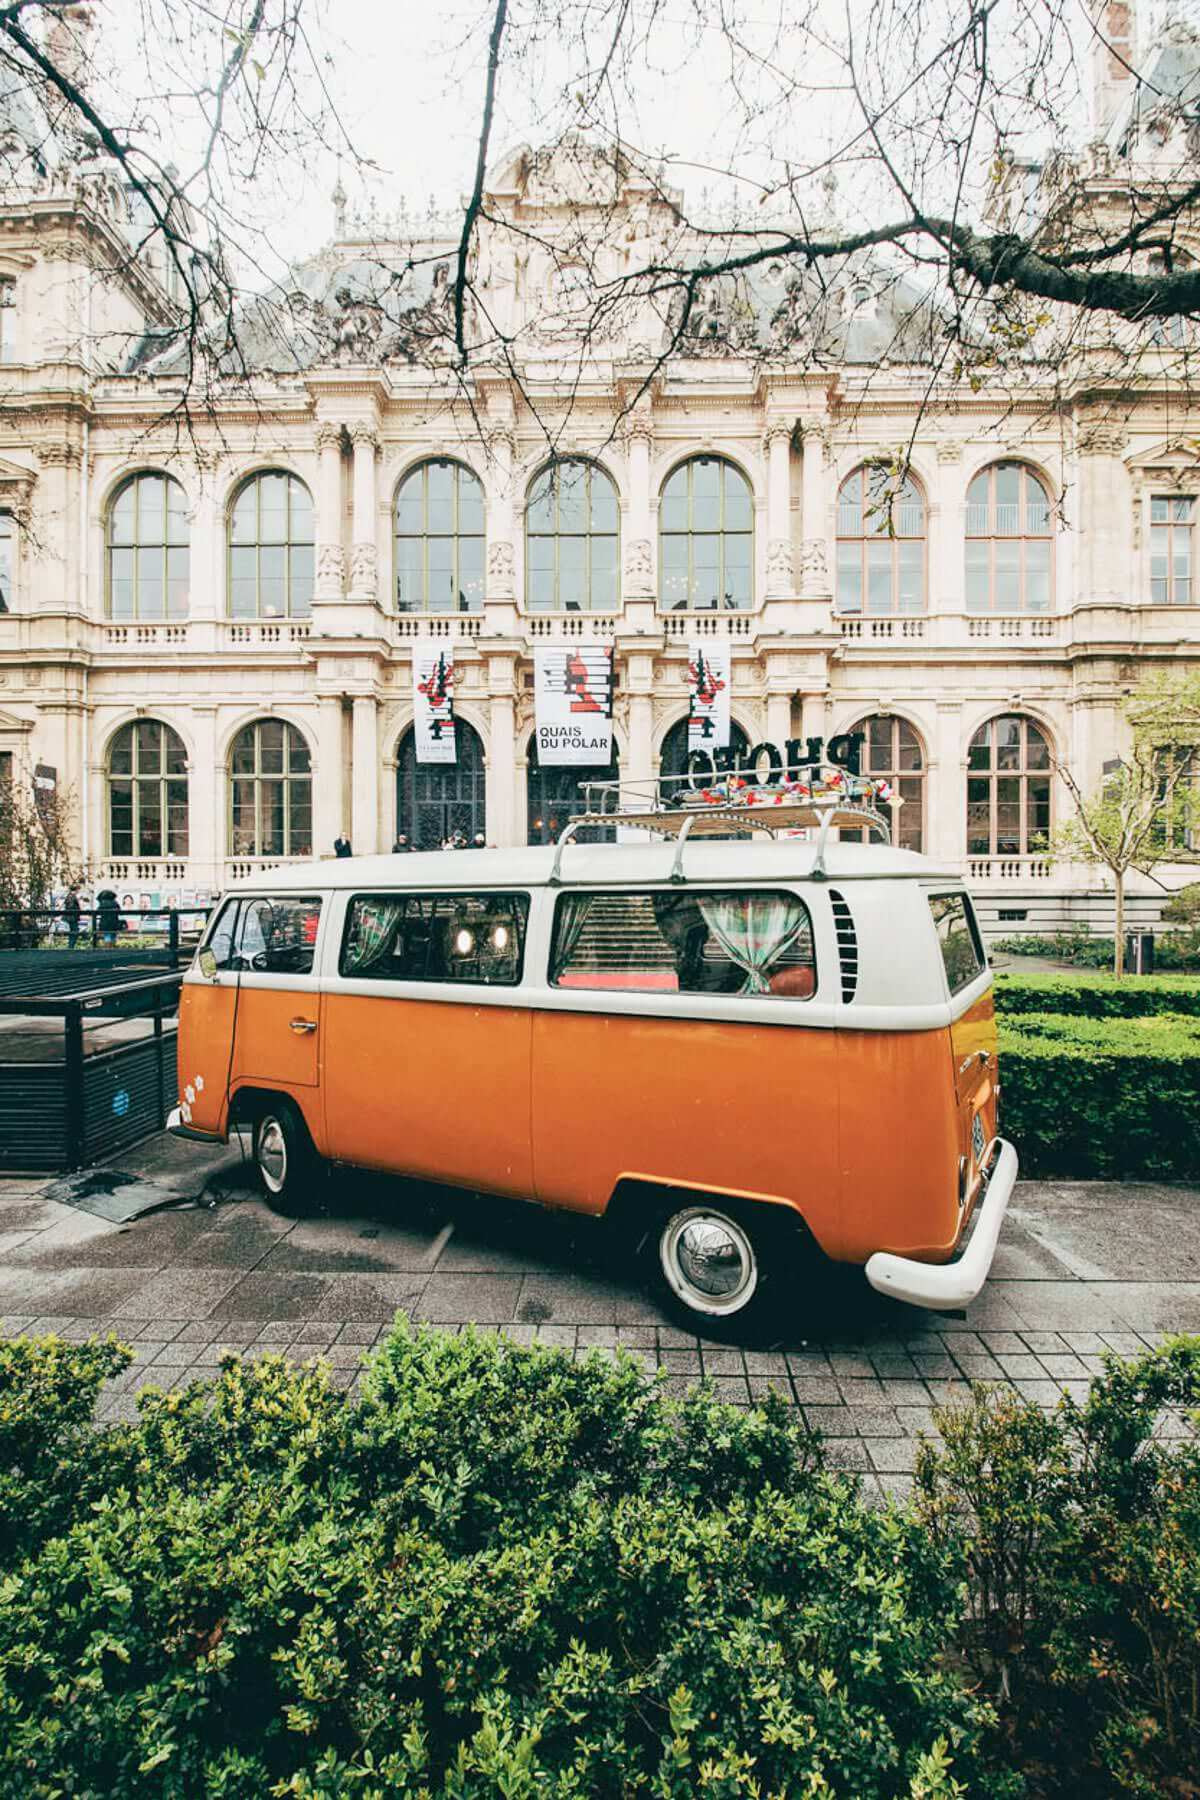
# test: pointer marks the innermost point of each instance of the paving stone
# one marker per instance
(676, 1387)
(851, 1365)
(1084, 1341)
(680, 1362)
(522, 1335)
(766, 1362)
(1007, 1343)
(598, 1334)
(366, 1299)
(980, 1368)
(1042, 1392)
(278, 1331)
(16, 1324)
(1044, 1342)
(817, 1393)
(846, 1453)
(362, 1335)
(733, 1390)
(317, 1336)
(642, 1337)
(271, 1298)
(896, 1488)
(175, 1355)
(1020, 1367)
(179, 1294)
(1125, 1343)
(671, 1338)
(1063, 1368)
(905, 1393)
(762, 1385)
(876, 1421)
(931, 1368)
(562, 1337)
(858, 1392)
(723, 1362)
(831, 1421)
(199, 1331)
(892, 1456)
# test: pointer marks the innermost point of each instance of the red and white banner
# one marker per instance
(433, 702)
(710, 677)
(573, 704)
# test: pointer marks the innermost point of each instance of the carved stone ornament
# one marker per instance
(362, 569)
(500, 568)
(356, 329)
(639, 567)
(814, 568)
(362, 433)
(949, 452)
(59, 456)
(780, 567)
(329, 435)
(331, 569)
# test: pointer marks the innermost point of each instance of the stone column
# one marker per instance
(331, 556)
(638, 761)
(328, 817)
(500, 795)
(364, 556)
(946, 534)
(55, 559)
(638, 578)
(207, 800)
(816, 576)
(1102, 535)
(946, 790)
(364, 777)
(777, 446)
(500, 584)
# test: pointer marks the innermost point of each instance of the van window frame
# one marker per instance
(973, 932)
(694, 890)
(436, 984)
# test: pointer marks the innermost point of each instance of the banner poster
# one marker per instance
(710, 677)
(573, 691)
(433, 702)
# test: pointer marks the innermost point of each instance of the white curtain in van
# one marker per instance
(754, 931)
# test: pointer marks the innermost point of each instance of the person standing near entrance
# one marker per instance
(71, 911)
(341, 846)
(107, 916)
(401, 847)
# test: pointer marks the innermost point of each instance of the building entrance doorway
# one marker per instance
(554, 796)
(436, 800)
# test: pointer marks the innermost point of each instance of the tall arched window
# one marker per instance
(706, 538)
(270, 791)
(1009, 541)
(881, 543)
(147, 791)
(436, 800)
(1008, 788)
(439, 540)
(148, 550)
(892, 750)
(271, 549)
(571, 540)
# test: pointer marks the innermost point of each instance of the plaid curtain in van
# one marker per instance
(754, 930)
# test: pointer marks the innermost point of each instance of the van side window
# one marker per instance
(958, 939)
(685, 943)
(436, 937)
(277, 937)
(222, 935)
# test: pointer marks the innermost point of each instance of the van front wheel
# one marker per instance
(714, 1261)
(288, 1166)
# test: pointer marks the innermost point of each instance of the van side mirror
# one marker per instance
(208, 964)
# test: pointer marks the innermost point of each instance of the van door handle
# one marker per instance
(303, 1024)
(983, 1057)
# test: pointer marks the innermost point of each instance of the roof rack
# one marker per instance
(816, 796)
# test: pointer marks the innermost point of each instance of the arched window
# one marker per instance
(554, 796)
(1009, 541)
(892, 750)
(8, 545)
(673, 757)
(271, 549)
(706, 538)
(571, 540)
(147, 791)
(270, 791)
(881, 543)
(1008, 788)
(436, 800)
(439, 540)
(148, 550)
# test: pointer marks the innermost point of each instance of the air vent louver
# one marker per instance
(847, 943)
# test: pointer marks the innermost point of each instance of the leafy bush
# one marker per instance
(1095, 996)
(1097, 1098)
(497, 1573)
(1083, 1538)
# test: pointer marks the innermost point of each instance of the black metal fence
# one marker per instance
(88, 1032)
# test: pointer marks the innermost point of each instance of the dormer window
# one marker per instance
(8, 317)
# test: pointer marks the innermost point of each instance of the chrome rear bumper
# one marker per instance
(947, 1287)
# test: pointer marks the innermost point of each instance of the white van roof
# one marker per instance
(778, 859)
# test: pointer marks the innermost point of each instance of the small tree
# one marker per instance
(36, 847)
(1140, 817)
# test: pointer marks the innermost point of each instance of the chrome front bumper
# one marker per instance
(178, 1126)
(948, 1287)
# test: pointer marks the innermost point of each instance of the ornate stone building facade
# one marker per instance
(207, 633)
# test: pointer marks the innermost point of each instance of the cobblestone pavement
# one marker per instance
(1080, 1268)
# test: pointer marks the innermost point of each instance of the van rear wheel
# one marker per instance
(289, 1169)
(718, 1262)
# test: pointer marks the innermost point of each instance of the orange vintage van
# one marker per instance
(731, 1048)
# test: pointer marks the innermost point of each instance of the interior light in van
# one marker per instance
(500, 938)
(464, 942)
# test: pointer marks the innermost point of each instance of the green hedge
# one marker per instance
(1178, 950)
(498, 1573)
(1095, 996)
(1098, 1098)
(502, 1573)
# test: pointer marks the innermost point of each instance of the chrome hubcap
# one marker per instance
(272, 1154)
(708, 1261)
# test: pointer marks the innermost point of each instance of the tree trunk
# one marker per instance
(1119, 909)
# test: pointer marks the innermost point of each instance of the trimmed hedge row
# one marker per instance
(502, 1573)
(1099, 1098)
(1095, 996)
